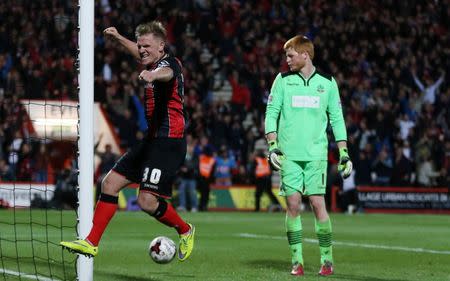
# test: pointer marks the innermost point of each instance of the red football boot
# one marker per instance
(297, 269)
(326, 269)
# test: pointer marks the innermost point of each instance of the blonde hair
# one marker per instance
(155, 27)
(300, 44)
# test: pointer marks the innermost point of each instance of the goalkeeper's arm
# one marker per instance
(274, 105)
(271, 137)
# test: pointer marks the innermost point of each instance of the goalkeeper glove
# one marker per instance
(345, 166)
(275, 156)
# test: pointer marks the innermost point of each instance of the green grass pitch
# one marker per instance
(253, 246)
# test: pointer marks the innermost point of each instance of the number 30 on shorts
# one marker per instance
(155, 175)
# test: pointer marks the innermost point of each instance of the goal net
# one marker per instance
(44, 197)
(39, 203)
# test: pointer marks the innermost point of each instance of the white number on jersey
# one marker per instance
(155, 175)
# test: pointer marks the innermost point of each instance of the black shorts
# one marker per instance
(153, 163)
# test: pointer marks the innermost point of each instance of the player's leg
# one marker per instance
(162, 211)
(294, 232)
(163, 159)
(106, 205)
(292, 188)
(324, 233)
(315, 188)
(125, 170)
(104, 211)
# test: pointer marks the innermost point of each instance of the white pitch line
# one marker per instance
(28, 276)
(350, 244)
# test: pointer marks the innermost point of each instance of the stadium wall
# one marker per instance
(388, 199)
(233, 198)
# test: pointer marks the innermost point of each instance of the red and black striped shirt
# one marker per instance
(164, 109)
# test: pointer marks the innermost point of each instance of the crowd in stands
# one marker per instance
(390, 59)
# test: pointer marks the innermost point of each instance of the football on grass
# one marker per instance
(162, 249)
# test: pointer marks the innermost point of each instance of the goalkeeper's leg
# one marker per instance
(324, 234)
(294, 232)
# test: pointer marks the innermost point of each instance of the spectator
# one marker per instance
(373, 70)
(25, 167)
(127, 129)
(429, 91)
(224, 166)
(263, 180)
(107, 160)
(382, 168)
(14, 151)
(41, 162)
(403, 170)
(206, 176)
(240, 98)
(188, 182)
(426, 174)
(405, 126)
(5, 171)
(65, 196)
(446, 163)
(349, 195)
(363, 166)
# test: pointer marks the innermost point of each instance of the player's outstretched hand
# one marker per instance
(275, 156)
(111, 31)
(345, 166)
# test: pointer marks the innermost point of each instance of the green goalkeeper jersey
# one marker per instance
(298, 111)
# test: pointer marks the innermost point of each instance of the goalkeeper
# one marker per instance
(300, 104)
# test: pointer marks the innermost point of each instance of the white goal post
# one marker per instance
(85, 266)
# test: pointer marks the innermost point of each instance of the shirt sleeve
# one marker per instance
(274, 104)
(335, 113)
(171, 63)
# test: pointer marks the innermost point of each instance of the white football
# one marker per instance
(162, 249)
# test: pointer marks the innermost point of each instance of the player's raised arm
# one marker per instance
(129, 45)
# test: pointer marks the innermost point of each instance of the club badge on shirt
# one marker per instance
(320, 89)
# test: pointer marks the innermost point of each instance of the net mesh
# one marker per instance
(35, 216)
(38, 194)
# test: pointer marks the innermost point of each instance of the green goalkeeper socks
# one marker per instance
(294, 235)
(324, 234)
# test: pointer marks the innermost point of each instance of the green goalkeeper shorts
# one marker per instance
(306, 177)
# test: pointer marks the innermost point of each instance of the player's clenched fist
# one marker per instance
(146, 76)
(111, 31)
(275, 156)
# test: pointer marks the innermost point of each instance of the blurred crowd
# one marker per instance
(390, 59)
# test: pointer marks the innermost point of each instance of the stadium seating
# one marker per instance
(398, 129)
